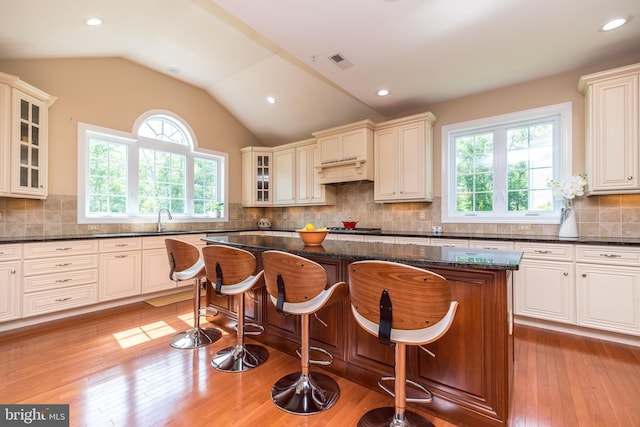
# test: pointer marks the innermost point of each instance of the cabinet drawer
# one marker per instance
(491, 244)
(614, 255)
(10, 252)
(65, 248)
(117, 245)
(545, 251)
(59, 299)
(59, 264)
(60, 280)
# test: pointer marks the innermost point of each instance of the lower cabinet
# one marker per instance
(10, 278)
(120, 268)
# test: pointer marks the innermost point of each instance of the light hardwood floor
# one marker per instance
(116, 368)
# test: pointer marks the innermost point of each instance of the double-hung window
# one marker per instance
(496, 170)
(129, 177)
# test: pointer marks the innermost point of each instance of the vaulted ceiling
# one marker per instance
(242, 51)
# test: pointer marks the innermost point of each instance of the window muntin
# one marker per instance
(127, 178)
(498, 168)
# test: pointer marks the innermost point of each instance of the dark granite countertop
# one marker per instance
(535, 238)
(470, 258)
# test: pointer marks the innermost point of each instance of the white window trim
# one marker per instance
(565, 163)
(132, 138)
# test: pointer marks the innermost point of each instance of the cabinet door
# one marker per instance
(256, 178)
(155, 271)
(608, 297)
(412, 166)
(545, 290)
(284, 182)
(386, 166)
(612, 132)
(9, 290)
(29, 146)
(120, 275)
(309, 191)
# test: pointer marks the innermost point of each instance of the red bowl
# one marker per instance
(349, 224)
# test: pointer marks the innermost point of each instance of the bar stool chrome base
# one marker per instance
(195, 338)
(305, 394)
(386, 417)
(239, 358)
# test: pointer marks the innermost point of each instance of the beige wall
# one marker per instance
(113, 93)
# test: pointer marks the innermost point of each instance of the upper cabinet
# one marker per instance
(612, 130)
(403, 150)
(257, 174)
(23, 138)
(345, 153)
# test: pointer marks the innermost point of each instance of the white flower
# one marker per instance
(567, 191)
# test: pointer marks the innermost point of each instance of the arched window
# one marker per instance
(130, 177)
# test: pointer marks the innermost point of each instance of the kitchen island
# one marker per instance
(472, 372)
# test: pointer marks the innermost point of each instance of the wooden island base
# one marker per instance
(472, 372)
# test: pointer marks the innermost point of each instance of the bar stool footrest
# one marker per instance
(258, 329)
(325, 362)
(416, 386)
(240, 358)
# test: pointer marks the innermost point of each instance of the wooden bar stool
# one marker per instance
(298, 286)
(231, 271)
(186, 264)
(401, 305)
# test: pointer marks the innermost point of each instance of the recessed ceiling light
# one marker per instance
(93, 21)
(614, 23)
(383, 92)
(271, 100)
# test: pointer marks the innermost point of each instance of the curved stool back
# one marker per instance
(298, 286)
(401, 305)
(186, 264)
(231, 271)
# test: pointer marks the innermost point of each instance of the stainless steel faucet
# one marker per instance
(161, 225)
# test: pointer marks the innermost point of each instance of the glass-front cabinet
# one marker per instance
(23, 140)
(257, 176)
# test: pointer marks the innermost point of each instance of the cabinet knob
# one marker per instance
(584, 274)
(629, 177)
(13, 272)
(565, 274)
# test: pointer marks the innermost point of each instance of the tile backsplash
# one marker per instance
(598, 216)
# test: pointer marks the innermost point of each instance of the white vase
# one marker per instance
(568, 224)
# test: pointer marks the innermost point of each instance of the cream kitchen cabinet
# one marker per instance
(345, 153)
(10, 279)
(23, 138)
(257, 176)
(296, 182)
(284, 176)
(545, 282)
(403, 150)
(59, 276)
(608, 288)
(120, 268)
(155, 262)
(613, 130)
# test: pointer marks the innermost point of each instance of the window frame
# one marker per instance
(562, 164)
(134, 143)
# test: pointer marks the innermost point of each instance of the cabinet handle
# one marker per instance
(629, 177)
(611, 255)
(63, 299)
(64, 264)
(584, 274)
(538, 251)
(63, 280)
(119, 245)
(13, 272)
(121, 256)
(63, 249)
(565, 274)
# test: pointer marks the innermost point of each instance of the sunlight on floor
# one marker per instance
(141, 334)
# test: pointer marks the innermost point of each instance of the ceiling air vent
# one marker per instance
(340, 61)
